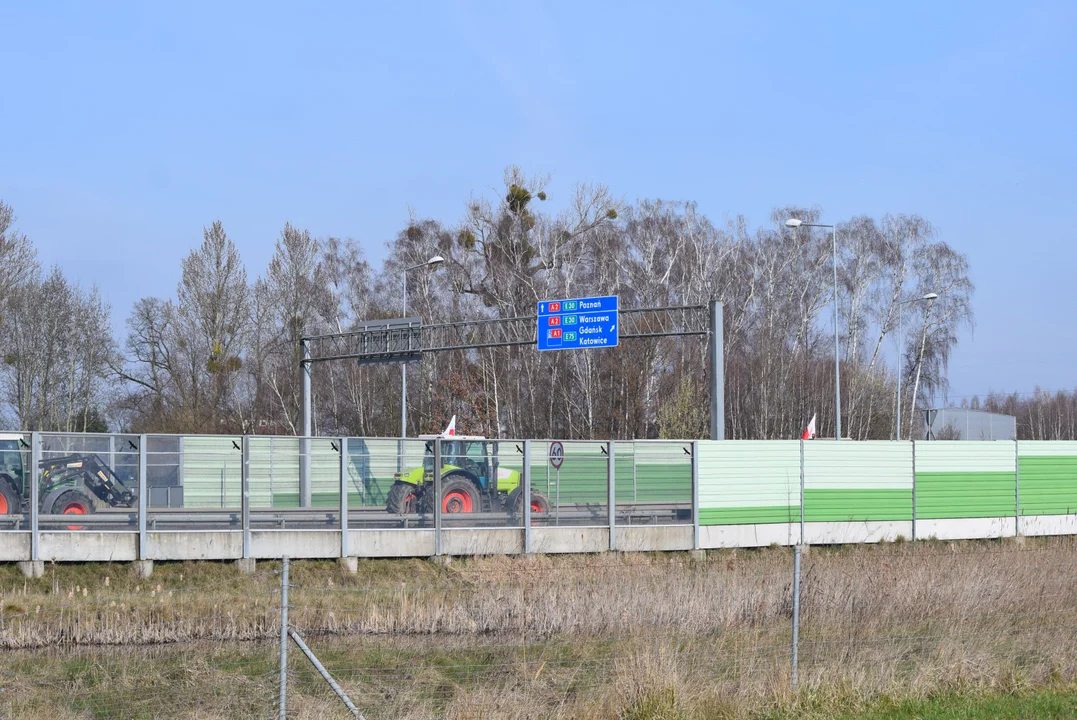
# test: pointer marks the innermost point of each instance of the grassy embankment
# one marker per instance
(936, 630)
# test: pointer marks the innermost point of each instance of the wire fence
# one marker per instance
(594, 636)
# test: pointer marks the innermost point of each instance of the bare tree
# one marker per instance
(294, 300)
(58, 345)
(224, 354)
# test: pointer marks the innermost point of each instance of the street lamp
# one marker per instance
(794, 223)
(432, 262)
(928, 298)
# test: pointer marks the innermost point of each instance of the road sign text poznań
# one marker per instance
(578, 323)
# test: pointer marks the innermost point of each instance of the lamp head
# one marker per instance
(793, 223)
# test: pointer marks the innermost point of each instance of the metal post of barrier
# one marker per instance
(112, 451)
(611, 494)
(245, 496)
(801, 493)
(35, 463)
(437, 496)
(913, 444)
(796, 613)
(282, 713)
(1016, 489)
(304, 443)
(527, 496)
(344, 497)
(142, 504)
(695, 494)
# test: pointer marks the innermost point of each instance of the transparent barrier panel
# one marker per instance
(279, 468)
(194, 482)
(654, 482)
(88, 477)
(15, 464)
(571, 477)
(481, 483)
(387, 483)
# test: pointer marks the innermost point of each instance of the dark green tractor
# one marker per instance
(66, 486)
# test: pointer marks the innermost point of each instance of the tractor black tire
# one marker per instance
(71, 502)
(402, 499)
(458, 495)
(540, 502)
(10, 502)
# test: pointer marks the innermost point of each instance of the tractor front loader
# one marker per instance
(65, 480)
(67, 485)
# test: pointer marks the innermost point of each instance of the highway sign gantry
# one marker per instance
(578, 323)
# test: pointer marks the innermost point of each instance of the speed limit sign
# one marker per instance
(557, 455)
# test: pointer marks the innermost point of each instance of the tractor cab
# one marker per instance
(471, 454)
(11, 457)
(471, 480)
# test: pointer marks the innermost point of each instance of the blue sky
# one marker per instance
(124, 128)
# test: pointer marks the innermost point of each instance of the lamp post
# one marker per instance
(432, 262)
(928, 298)
(794, 223)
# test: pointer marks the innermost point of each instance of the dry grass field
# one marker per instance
(606, 636)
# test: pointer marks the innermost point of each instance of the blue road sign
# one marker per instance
(577, 323)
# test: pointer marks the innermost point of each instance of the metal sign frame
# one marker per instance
(362, 346)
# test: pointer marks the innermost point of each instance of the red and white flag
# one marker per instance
(809, 432)
(451, 429)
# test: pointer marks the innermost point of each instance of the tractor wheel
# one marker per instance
(402, 499)
(10, 503)
(458, 495)
(72, 502)
(540, 502)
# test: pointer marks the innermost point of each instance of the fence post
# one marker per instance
(913, 490)
(282, 711)
(35, 500)
(695, 494)
(245, 496)
(527, 497)
(142, 503)
(437, 496)
(796, 613)
(344, 550)
(611, 492)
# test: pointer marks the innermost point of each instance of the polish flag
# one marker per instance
(809, 432)
(451, 429)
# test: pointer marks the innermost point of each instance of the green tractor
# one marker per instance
(471, 481)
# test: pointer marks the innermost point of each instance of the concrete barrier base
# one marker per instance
(246, 565)
(32, 568)
(351, 564)
(143, 568)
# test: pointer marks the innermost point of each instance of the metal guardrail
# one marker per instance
(358, 518)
